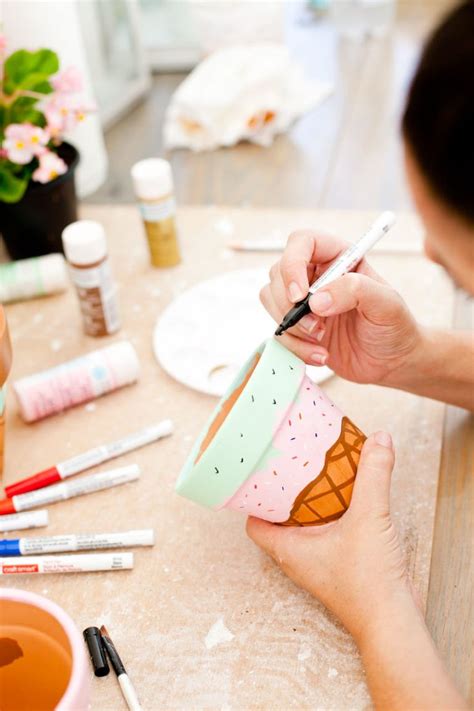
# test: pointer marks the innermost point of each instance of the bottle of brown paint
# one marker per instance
(85, 248)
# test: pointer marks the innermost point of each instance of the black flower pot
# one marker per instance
(33, 226)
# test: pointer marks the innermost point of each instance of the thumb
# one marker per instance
(377, 301)
(372, 484)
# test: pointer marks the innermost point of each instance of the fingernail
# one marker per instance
(384, 439)
(308, 323)
(295, 292)
(318, 358)
(320, 334)
(320, 301)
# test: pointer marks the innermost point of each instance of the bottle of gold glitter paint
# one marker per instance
(153, 184)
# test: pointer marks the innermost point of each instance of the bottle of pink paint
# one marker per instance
(77, 381)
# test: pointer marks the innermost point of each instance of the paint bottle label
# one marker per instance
(159, 220)
(98, 298)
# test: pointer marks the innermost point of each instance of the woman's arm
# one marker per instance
(403, 668)
(442, 368)
(362, 328)
(356, 568)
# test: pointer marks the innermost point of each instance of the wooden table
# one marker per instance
(286, 650)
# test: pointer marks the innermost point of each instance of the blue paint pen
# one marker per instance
(83, 542)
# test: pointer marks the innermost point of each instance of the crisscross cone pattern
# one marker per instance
(327, 497)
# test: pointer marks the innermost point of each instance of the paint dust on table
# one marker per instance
(218, 634)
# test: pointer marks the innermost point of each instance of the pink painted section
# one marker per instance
(308, 430)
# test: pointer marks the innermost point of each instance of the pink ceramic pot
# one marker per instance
(43, 663)
(276, 446)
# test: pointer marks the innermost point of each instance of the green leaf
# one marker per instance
(22, 65)
(12, 188)
(23, 111)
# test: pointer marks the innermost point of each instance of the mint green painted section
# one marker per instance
(248, 430)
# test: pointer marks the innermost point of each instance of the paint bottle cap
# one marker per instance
(5, 348)
(123, 360)
(84, 242)
(93, 639)
(152, 178)
(53, 273)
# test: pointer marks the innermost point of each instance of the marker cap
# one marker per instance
(96, 649)
(26, 519)
(6, 507)
(84, 242)
(10, 547)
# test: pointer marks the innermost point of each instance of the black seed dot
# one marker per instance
(241, 434)
(242, 460)
(292, 438)
(253, 399)
(216, 470)
(283, 488)
(315, 434)
(314, 403)
(273, 371)
(291, 367)
(274, 401)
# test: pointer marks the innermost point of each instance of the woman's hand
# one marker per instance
(360, 326)
(354, 566)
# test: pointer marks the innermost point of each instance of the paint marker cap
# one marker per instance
(152, 178)
(84, 242)
(96, 649)
(6, 507)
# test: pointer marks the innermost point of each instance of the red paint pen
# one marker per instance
(91, 458)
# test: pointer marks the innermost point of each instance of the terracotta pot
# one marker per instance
(33, 226)
(275, 447)
(44, 663)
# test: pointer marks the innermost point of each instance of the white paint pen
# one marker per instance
(347, 261)
(84, 563)
(77, 381)
(68, 490)
(91, 458)
(82, 542)
(20, 521)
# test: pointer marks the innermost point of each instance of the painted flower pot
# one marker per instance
(275, 447)
(43, 663)
(33, 226)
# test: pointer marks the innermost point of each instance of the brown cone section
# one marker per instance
(327, 497)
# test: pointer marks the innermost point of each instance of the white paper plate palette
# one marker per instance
(205, 335)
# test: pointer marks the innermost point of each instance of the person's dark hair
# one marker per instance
(438, 122)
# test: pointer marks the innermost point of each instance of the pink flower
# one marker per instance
(3, 45)
(23, 142)
(69, 80)
(50, 166)
(64, 111)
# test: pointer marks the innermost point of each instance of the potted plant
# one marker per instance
(38, 104)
